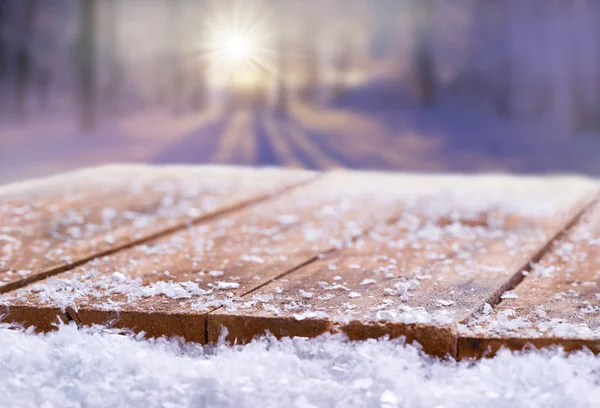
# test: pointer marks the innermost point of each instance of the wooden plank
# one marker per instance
(558, 302)
(29, 211)
(232, 265)
(49, 225)
(418, 277)
(167, 285)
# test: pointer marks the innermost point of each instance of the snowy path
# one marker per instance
(401, 138)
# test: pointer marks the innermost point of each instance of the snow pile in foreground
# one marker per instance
(96, 367)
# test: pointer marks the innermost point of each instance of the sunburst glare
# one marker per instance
(238, 47)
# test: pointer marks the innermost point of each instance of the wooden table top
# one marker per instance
(461, 264)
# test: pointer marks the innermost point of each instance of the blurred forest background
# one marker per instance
(417, 85)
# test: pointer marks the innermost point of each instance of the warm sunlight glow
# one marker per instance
(237, 48)
(237, 55)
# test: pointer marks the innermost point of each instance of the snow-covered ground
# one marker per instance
(96, 367)
(455, 137)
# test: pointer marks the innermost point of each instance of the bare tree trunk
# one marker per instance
(198, 80)
(44, 77)
(115, 78)
(424, 63)
(596, 17)
(199, 95)
(503, 94)
(342, 63)
(311, 56)
(3, 20)
(282, 91)
(176, 72)
(583, 66)
(197, 76)
(282, 97)
(24, 60)
(45, 38)
(87, 63)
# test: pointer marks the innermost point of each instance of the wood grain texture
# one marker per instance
(48, 225)
(210, 264)
(416, 278)
(367, 254)
(558, 302)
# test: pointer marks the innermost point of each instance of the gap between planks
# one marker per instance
(519, 275)
(493, 299)
(309, 261)
(512, 282)
(161, 233)
(71, 315)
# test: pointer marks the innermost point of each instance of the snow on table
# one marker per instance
(154, 285)
(367, 254)
(441, 261)
(557, 302)
(49, 225)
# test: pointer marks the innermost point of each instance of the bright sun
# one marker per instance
(237, 45)
(237, 48)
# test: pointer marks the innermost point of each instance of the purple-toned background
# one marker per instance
(417, 85)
